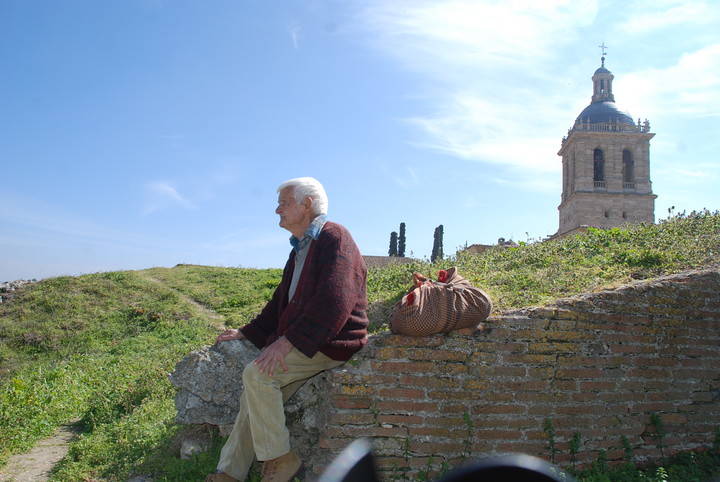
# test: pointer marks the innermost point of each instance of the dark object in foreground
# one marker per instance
(357, 464)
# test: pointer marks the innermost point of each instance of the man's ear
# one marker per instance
(307, 202)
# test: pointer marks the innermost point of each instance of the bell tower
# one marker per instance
(605, 164)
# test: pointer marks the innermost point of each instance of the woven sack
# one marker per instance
(440, 306)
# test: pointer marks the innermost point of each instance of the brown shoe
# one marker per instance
(220, 477)
(281, 469)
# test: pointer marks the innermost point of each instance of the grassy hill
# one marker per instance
(97, 348)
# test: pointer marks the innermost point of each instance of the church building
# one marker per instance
(605, 165)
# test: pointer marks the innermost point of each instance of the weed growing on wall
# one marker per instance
(549, 430)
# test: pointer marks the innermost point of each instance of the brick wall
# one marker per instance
(599, 364)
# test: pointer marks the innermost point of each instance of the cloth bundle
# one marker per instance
(451, 303)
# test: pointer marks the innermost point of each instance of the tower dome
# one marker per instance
(603, 113)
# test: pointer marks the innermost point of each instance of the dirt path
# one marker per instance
(36, 464)
(215, 318)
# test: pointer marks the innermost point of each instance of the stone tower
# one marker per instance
(606, 165)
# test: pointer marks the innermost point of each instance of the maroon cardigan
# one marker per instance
(328, 312)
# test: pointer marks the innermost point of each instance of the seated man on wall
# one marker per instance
(315, 321)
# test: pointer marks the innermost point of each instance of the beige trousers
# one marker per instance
(259, 429)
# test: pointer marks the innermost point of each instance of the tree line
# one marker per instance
(398, 243)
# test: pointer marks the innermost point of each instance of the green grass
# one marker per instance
(538, 273)
(98, 347)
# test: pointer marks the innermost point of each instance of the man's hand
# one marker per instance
(231, 334)
(273, 356)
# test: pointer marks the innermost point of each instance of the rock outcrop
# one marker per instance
(8, 288)
(209, 383)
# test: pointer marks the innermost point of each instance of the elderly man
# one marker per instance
(315, 321)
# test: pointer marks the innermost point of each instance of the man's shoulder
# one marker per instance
(334, 231)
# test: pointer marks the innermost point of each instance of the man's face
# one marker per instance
(294, 216)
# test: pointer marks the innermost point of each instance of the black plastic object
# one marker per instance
(516, 467)
(355, 463)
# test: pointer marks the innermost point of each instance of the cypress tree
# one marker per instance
(401, 241)
(441, 231)
(433, 255)
(393, 251)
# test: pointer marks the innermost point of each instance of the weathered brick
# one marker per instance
(402, 407)
(515, 347)
(579, 373)
(539, 372)
(432, 448)
(497, 409)
(694, 373)
(401, 393)
(448, 368)
(438, 432)
(529, 385)
(473, 384)
(402, 367)
(619, 348)
(553, 347)
(400, 419)
(374, 431)
(357, 389)
(499, 371)
(437, 354)
(621, 396)
(435, 421)
(384, 462)
(496, 434)
(530, 448)
(597, 386)
(331, 443)
(342, 401)
(430, 381)
(452, 395)
(648, 373)
(352, 418)
(497, 397)
(343, 376)
(542, 396)
(529, 359)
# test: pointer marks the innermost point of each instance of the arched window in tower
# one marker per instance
(598, 168)
(628, 170)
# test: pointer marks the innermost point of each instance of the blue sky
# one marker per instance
(141, 133)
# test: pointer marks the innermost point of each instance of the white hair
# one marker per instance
(308, 187)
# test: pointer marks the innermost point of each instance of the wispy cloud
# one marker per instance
(409, 180)
(43, 224)
(161, 195)
(656, 15)
(489, 62)
(295, 36)
(690, 87)
(473, 127)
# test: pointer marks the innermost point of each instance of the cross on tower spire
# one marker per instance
(603, 47)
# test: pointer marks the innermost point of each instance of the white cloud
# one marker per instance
(161, 195)
(476, 128)
(690, 87)
(669, 14)
(490, 60)
(295, 36)
(431, 33)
